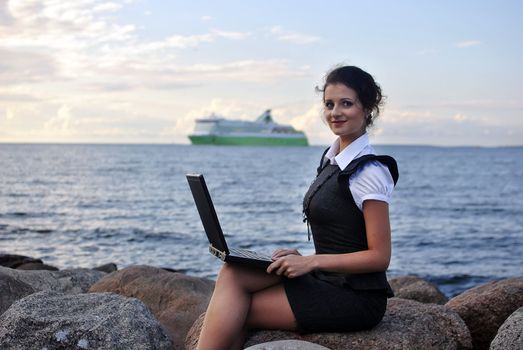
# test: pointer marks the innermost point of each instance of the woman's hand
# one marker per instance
(278, 253)
(291, 264)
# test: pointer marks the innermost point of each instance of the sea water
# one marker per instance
(456, 213)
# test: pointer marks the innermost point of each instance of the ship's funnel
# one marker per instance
(265, 117)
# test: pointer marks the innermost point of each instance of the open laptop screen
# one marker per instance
(203, 201)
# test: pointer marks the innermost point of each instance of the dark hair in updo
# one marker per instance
(369, 92)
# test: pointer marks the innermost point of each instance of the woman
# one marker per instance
(343, 286)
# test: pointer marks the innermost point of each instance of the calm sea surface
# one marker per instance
(456, 214)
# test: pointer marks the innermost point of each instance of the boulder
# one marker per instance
(50, 320)
(12, 290)
(175, 299)
(107, 268)
(287, 345)
(415, 288)
(13, 260)
(407, 324)
(16, 284)
(66, 281)
(510, 334)
(486, 307)
(36, 266)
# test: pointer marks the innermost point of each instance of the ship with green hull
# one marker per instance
(261, 132)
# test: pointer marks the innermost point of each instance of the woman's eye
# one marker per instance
(329, 105)
(347, 103)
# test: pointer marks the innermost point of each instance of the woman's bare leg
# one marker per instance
(229, 307)
(270, 309)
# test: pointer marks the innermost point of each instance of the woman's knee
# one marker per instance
(229, 274)
(248, 278)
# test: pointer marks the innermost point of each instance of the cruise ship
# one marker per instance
(263, 131)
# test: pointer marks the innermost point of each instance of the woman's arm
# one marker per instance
(376, 258)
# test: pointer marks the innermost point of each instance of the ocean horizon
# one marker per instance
(310, 145)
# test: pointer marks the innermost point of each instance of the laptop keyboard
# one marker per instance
(244, 253)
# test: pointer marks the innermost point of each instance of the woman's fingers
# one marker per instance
(282, 270)
(278, 253)
(280, 267)
(290, 266)
(274, 266)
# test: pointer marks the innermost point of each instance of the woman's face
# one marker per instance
(344, 113)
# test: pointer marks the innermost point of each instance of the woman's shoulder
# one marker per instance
(372, 180)
(373, 171)
(368, 163)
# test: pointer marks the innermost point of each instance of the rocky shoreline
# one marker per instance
(145, 307)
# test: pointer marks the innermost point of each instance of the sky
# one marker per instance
(140, 71)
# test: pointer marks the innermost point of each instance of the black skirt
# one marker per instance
(321, 306)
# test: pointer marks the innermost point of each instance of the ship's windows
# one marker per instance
(283, 130)
(204, 126)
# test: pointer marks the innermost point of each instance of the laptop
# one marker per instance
(217, 244)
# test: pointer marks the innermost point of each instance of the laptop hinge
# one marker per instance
(218, 253)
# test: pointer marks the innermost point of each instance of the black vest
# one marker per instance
(337, 224)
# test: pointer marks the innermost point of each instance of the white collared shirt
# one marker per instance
(372, 180)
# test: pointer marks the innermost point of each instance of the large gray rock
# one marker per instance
(16, 284)
(287, 345)
(407, 324)
(510, 334)
(486, 307)
(107, 268)
(36, 266)
(415, 288)
(174, 298)
(49, 320)
(65, 281)
(11, 290)
(14, 260)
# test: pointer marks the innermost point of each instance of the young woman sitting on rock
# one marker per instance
(343, 286)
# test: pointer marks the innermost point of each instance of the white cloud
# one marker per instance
(107, 7)
(191, 41)
(309, 118)
(117, 73)
(293, 37)
(73, 41)
(230, 108)
(26, 66)
(311, 122)
(230, 35)
(396, 115)
(180, 42)
(14, 96)
(9, 114)
(61, 24)
(173, 75)
(244, 70)
(468, 43)
(501, 104)
(61, 122)
(460, 117)
(444, 126)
